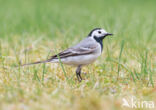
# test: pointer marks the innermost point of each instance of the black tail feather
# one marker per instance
(38, 62)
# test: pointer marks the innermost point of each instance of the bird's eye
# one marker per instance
(99, 32)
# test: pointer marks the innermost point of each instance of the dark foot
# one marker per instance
(78, 73)
(79, 77)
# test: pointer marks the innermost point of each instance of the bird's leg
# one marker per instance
(78, 73)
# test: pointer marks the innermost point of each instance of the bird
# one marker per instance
(82, 54)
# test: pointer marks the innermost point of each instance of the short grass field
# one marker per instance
(33, 30)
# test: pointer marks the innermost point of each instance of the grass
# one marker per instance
(122, 45)
(33, 30)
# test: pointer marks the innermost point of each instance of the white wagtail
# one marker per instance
(84, 53)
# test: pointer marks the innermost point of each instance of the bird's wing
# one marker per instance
(74, 52)
(80, 49)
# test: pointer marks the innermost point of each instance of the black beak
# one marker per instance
(108, 34)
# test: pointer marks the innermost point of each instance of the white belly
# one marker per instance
(79, 60)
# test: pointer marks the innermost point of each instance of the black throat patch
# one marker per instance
(99, 40)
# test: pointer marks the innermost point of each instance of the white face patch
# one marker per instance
(99, 33)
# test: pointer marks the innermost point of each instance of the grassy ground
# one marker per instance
(30, 30)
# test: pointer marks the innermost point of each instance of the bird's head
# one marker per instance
(99, 33)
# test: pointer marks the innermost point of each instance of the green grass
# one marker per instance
(32, 30)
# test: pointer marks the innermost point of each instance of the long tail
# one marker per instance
(38, 62)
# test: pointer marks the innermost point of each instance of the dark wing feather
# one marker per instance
(83, 48)
(74, 52)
